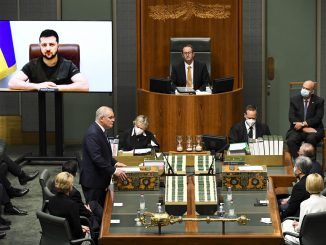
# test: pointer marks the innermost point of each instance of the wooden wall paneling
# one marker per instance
(171, 115)
(154, 35)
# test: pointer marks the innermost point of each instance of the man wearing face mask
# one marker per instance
(305, 115)
(138, 137)
(248, 128)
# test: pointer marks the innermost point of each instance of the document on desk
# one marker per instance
(251, 168)
(130, 169)
(142, 151)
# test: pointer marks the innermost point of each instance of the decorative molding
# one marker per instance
(185, 11)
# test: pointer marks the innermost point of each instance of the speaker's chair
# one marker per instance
(201, 46)
(68, 51)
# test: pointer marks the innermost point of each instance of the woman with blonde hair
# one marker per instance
(61, 205)
(314, 204)
(138, 137)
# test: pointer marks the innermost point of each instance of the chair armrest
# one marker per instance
(292, 218)
(84, 220)
(291, 234)
(79, 241)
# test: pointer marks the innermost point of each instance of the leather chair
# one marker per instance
(312, 231)
(45, 183)
(201, 45)
(68, 51)
(56, 230)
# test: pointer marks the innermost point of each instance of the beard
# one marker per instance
(51, 57)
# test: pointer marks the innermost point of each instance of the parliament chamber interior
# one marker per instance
(178, 122)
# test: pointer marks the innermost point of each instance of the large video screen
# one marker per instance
(93, 37)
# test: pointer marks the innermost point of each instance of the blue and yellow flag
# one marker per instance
(7, 54)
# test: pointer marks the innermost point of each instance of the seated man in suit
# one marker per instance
(190, 73)
(306, 118)
(49, 71)
(248, 128)
(308, 150)
(138, 137)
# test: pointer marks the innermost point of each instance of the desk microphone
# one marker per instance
(170, 169)
(211, 167)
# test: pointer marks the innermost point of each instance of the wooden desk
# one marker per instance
(191, 232)
(171, 115)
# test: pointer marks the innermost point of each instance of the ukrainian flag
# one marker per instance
(7, 54)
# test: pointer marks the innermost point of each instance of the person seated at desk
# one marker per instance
(291, 206)
(308, 150)
(314, 204)
(190, 73)
(306, 119)
(62, 206)
(248, 128)
(138, 137)
(50, 71)
(93, 210)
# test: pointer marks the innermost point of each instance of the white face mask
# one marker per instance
(251, 122)
(305, 93)
(138, 131)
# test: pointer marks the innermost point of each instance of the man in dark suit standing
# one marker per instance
(306, 119)
(248, 128)
(190, 73)
(98, 165)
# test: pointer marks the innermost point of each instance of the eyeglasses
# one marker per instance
(186, 53)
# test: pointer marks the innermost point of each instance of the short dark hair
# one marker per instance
(250, 108)
(49, 33)
(70, 167)
(187, 45)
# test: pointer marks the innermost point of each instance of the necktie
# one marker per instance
(250, 133)
(189, 78)
(305, 109)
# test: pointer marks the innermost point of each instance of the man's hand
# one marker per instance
(39, 86)
(120, 174)
(298, 126)
(285, 201)
(309, 130)
(120, 164)
(85, 229)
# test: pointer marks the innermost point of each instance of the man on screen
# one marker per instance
(249, 127)
(50, 71)
(190, 73)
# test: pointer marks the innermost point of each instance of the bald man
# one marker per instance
(306, 119)
(98, 165)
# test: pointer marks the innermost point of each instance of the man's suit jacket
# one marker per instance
(299, 194)
(238, 132)
(315, 112)
(61, 205)
(200, 79)
(97, 165)
(128, 142)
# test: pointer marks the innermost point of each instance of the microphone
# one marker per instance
(217, 155)
(170, 169)
(211, 167)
